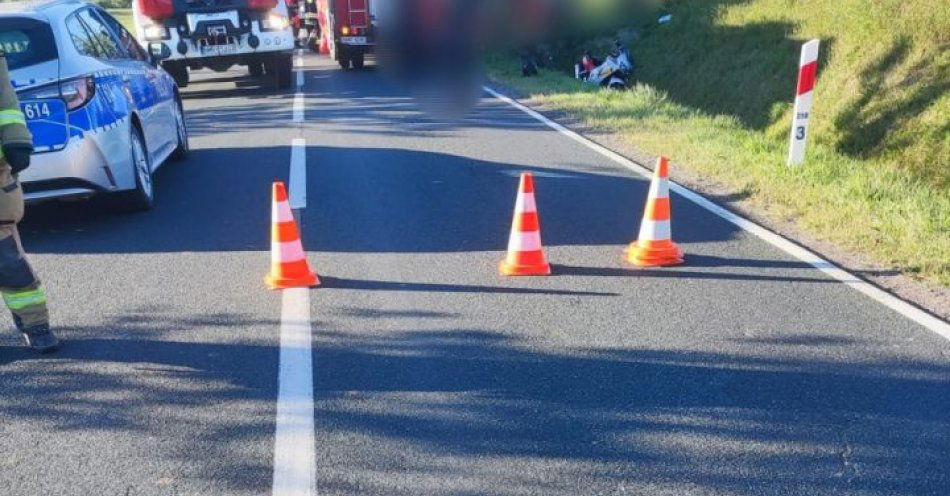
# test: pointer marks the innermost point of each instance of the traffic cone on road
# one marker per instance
(525, 253)
(655, 247)
(289, 268)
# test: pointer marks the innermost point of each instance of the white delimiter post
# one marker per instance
(807, 69)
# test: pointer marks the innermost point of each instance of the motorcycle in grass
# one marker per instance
(613, 73)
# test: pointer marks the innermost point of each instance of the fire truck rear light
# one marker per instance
(157, 9)
(261, 4)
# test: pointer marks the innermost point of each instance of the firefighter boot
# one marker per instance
(41, 339)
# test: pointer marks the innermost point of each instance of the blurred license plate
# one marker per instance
(353, 40)
(48, 122)
(218, 50)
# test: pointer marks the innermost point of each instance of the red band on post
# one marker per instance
(806, 77)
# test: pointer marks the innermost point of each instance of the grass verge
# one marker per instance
(715, 94)
(863, 205)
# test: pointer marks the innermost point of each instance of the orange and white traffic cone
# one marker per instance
(525, 253)
(655, 247)
(289, 268)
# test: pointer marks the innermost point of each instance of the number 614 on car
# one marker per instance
(34, 111)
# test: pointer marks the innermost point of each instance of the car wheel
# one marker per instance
(143, 196)
(256, 69)
(181, 126)
(344, 62)
(359, 60)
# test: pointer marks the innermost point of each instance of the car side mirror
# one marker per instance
(158, 52)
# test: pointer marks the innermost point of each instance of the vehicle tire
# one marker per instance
(255, 69)
(178, 72)
(181, 127)
(359, 60)
(141, 198)
(283, 71)
(344, 62)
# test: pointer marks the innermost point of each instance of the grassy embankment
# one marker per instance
(715, 94)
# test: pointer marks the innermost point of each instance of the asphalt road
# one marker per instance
(742, 372)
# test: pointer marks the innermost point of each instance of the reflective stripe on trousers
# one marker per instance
(11, 116)
(19, 286)
(21, 300)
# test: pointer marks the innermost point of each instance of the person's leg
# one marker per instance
(22, 293)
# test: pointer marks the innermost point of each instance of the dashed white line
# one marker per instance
(295, 462)
(298, 174)
(298, 63)
(299, 102)
(295, 459)
(896, 304)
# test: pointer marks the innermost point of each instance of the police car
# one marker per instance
(103, 115)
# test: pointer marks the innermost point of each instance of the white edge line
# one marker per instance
(298, 174)
(295, 443)
(298, 107)
(300, 80)
(913, 313)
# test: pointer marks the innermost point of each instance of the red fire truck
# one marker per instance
(217, 34)
(347, 30)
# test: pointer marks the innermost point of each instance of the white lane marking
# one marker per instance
(298, 174)
(295, 461)
(298, 107)
(300, 79)
(896, 304)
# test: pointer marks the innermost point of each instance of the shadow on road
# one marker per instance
(404, 201)
(127, 376)
(362, 200)
(216, 201)
(709, 422)
(367, 285)
(374, 200)
(714, 423)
